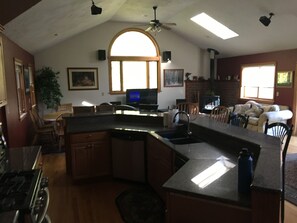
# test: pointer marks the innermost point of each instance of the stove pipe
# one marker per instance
(212, 54)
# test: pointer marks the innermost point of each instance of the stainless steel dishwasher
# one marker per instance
(128, 153)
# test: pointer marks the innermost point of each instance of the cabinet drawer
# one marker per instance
(88, 137)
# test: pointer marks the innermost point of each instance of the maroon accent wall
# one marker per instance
(19, 132)
(285, 61)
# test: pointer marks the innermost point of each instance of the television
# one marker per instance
(135, 97)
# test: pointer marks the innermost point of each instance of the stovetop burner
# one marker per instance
(17, 189)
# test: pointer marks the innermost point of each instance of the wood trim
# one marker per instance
(294, 119)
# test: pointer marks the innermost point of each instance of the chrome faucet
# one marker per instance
(188, 123)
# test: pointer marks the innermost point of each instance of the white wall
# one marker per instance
(81, 51)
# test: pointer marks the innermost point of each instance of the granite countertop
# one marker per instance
(22, 158)
(202, 155)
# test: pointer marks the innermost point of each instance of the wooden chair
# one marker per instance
(284, 133)
(239, 120)
(44, 133)
(125, 107)
(190, 108)
(67, 108)
(220, 113)
(83, 109)
(105, 107)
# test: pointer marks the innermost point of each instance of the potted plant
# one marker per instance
(47, 87)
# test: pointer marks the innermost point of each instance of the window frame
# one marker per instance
(122, 59)
(261, 100)
(20, 88)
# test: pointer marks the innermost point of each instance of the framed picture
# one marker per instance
(173, 77)
(284, 79)
(82, 78)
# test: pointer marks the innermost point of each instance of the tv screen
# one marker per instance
(135, 97)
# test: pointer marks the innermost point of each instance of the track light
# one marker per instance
(265, 20)
(95, 10)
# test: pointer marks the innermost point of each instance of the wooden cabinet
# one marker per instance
(3, 96)
(159, 164)
(90, 154)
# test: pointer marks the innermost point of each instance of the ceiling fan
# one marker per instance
(155, 25)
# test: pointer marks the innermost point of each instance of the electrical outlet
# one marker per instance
(102, 93)
(277, 94)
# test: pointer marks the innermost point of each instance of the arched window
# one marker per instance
(134, 61)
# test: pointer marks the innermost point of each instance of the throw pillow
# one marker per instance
(241, 108)
(254, 111)
(274, 108)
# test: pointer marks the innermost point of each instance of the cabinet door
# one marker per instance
(159, 164)
(101, 159)
(81, 154)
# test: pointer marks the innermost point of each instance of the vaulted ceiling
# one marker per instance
(49, 22)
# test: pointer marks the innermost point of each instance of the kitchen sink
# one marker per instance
(186, 140)
(178, 137)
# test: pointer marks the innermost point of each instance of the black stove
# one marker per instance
(17, 189)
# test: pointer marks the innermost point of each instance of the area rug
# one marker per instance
(140, 205)
(291, 178)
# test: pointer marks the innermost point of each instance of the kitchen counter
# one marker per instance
(219, 139)
(23, 158)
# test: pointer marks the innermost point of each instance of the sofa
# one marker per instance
(259, 113)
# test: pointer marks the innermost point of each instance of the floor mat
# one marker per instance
(140, 205)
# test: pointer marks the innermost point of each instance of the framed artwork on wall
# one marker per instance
(284, 79)
(82, 78)
(173, 77)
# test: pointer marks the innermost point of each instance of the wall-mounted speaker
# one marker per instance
(101, 55)
(166, 56)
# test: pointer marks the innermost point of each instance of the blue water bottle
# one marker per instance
(245, 171)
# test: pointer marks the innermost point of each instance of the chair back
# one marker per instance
(282, 131)
(125, 107)
(239, 120)
(83, 109)
(105, 107)
(189, 107)
(67, 108)
(220, 113)
(37, 120)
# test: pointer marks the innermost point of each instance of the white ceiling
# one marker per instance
(52, 21)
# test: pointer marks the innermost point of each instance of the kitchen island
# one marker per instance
(184, 198)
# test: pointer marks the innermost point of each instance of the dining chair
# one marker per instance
(239, 120)
(44, 133)
(105, 107)
(125, 107)
(220, 113)
(83, 109)
(189, 107)
(284, 133)
(67, 108)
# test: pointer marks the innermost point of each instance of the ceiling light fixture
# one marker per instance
(213, 26)
(95, 10)
(265, 20)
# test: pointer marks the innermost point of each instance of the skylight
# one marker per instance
(213, 26)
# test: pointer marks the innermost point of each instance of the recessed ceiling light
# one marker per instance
(213, 26)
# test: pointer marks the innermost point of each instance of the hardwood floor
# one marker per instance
(85, 203)
(95, 202)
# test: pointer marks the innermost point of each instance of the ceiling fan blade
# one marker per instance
(148, 29)
(169, 24)
(165, 27)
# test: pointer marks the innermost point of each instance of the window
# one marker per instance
(257, 82)
(134, 61)
(20, 83)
